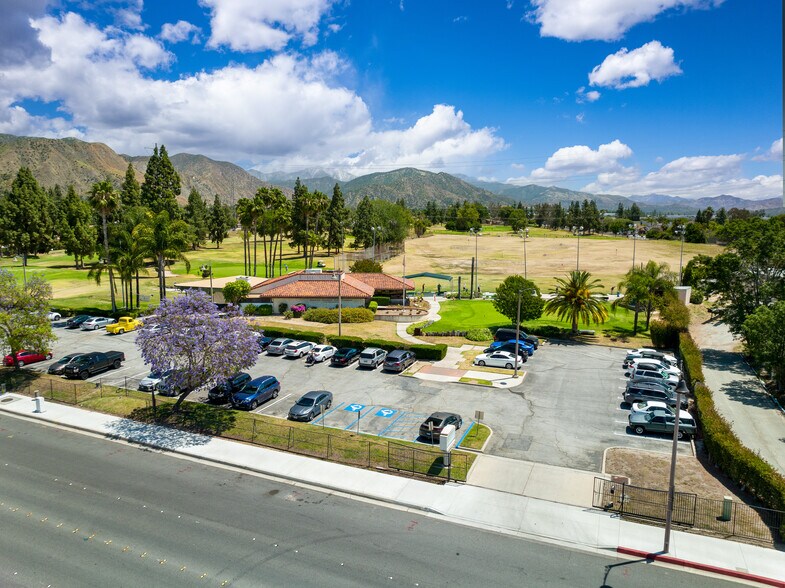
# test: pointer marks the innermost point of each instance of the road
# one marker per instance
(739, 395)
(82, 511)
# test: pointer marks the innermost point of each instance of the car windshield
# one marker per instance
(306, 402)
(366, 355)
(344, 351)
(436, 421)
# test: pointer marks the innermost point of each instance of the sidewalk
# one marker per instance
(433, 315)
(482, 507)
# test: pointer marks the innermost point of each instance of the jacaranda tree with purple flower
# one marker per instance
(201, 347)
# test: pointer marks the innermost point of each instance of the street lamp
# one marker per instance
(680, 231)
(634, 233)
(680, 389)
(476, 233)
(374, 229)
(517, 334)
(525, 234)
(339, 276)
(403, 276)
(578, 233)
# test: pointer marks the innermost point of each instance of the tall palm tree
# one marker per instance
(573, 299)
(636, 293)
(129, 255)
(245, 218)
(660, 281)
(105, 200)
(162, 239)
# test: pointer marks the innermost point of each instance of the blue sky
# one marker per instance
(680, 97)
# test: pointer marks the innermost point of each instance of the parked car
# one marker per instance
(277, 346)
(311, 405)
(255, 392)
(24, 357)
(167, 386)
(322, 353)
(510, 346)
(150, 382)
(76, 321)
(96, 322)
(660, 422)
(398, 360)
(89, 364)
(653, 406)
(345, 356)
(654, 364)
(641, 391)
(646, 353)
(372, 357)
(509, 334)
(54, 316)
(522, 353)
(58, 367)
(264, 342)
(433, 426)
(655, 374)
(501, 359)
(123, 325)
(298, 348)
(223, 391)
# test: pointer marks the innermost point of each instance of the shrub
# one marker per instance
(434, 352)
(373, 305)
(356, 315)
(264, 310)
(345, 341)
(330, 315)
(543, 331)
(312, 336)
(663, 334)
(696, 297)
(282, 307)
(479, 335)
(288, 314)
(368, 266)
(381, 300)
(676, 314)
(692, 361)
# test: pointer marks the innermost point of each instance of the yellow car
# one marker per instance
(123, 325)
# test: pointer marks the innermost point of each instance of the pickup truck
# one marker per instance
(123, 325)
(90, 364)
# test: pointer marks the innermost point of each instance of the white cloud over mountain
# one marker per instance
(603, 20)
(636, 68)
(578, 161)
(774, 152)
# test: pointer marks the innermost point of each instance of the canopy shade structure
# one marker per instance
(429, 275)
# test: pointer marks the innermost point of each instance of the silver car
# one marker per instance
(97, 322)
(298, 349)
(372, 357)
(277, 346)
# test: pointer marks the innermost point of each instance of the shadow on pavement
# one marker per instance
(730, 361)
(748, 392)
(159, 436)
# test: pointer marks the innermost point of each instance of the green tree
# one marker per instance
(25, 223)
(634, 213)
(636, 292)
(23, 321)
(518, 219)
(420, 224)
(506, 299)
(660, 284)
(244, 211)
(337, 217)
(197, 215)
(78, 234)
(722, 217)
(694, 233)
(363, 221)
(164, 239)
(161, 184)
(217, 223)
(573, 300)
(130, 191)
(764, 337)
(105, 201)
(366, 266)
(235, 291)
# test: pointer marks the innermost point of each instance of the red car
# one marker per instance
(24, 357)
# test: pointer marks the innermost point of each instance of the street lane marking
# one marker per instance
(271, 404)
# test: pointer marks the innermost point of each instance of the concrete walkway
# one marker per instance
(739, 395)
(482, 507)
(433, 315)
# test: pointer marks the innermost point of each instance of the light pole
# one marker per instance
(212, 294)
(476, 233)
(403, 276)
(525, 234)
(374, 229)
(517, 334)
(680, 389)
(339, 276)
(634, 233)
(578, 233)
(680, 231)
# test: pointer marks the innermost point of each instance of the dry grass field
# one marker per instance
(549, 254)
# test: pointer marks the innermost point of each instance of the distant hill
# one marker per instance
(716, 202)
(323, 184)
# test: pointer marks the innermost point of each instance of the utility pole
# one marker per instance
(517, 334)
(680, 389)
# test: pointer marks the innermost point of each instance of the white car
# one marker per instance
(655, 406)
(647, 353)
(298, 348)
(321, 353)
(502, 359)
(54, 316)
(661, 365)
(97, 322)
(150, 382)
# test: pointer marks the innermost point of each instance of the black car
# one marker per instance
(345, 356)
(509, 334)
(264, 343)
(398, 360)
(76, 321)
(510, 347)
(311, 405)
(433, 426)
(58, 367)
(223, 391)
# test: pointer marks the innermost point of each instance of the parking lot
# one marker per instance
(567, 411)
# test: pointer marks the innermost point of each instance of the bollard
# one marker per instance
(727, 508)
(39, 404)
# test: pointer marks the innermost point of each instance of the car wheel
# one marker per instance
(20, 363)
(508, 366)
(329, 404)
(639, 430)
(275, 394)
(254, 404)
(120, 331)
(84, 375)
(48, 356)
(460, 423)
(116, 364)
(481, 363)
(680, 435)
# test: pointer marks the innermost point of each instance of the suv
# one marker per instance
(277, 346)
(298, 349)
(223, 391)
(653, 364)
(655, 374)
(372, 357)
(510, 346)
(399, 360)
(646, 353)
(255, 392)
(638, 392)
(661, 422)
(433, 426)
(509, 334)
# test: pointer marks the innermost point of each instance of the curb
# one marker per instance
(699, 566)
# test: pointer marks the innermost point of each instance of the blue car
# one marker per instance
(255, 392)
(510, 346)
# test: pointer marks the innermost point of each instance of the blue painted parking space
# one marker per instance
(354, 407)
(386, 413)
(358, 415)
(333, 409)
(406, 426)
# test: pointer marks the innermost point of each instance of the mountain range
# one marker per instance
(71, 161)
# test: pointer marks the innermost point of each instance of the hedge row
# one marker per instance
(312, 336)
(724, 448)
(380, 300)
(258, 310)
(329, 316)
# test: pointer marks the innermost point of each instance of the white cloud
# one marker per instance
(581, 95)
(580, 116)
(288, 109)
(632, 69)
(773, 154)
(604, 20)
(579, 160)
(251, 25)
(694, 177)
(180, 31)
(460, 19)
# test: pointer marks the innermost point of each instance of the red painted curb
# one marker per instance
(699, 566)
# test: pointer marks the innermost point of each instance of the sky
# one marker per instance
(678, 97)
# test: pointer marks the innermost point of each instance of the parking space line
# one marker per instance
(469, 428)
(270, 405)
(324, 414)
(388, 427)
(361, 415)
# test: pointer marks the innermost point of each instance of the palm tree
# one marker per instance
(660, 282)
(245, 218)
(129, 255)
(104, 199)
(645, 287)
(162, 239)
(573, 299)
(636, 292)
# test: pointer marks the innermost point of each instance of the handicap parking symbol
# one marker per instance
(355, 407)
(385, 412)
